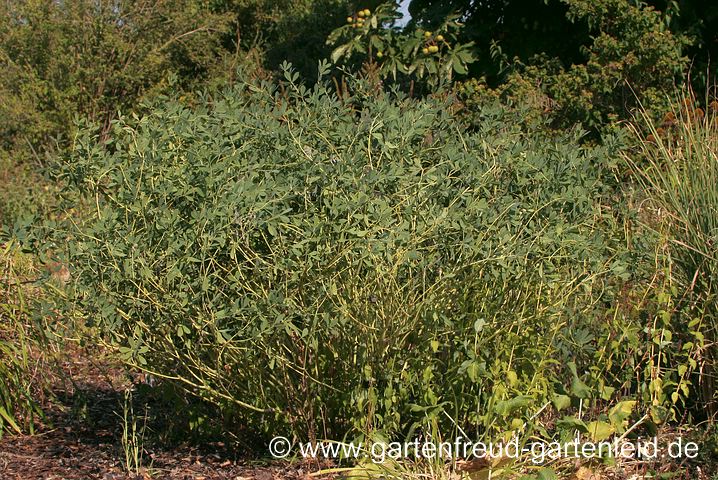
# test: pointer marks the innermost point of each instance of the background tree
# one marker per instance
(89, 59)
(699, 20)
(508, 29)
(590, 58)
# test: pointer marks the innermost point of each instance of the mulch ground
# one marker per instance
(81, 436)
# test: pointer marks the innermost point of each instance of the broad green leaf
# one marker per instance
(599, 431)
(507, 407)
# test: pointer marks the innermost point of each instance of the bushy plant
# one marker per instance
(64, 59)
(25, 191)
(628, 53)
(344, 265)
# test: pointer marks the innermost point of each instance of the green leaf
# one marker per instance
(8, 418)
(570, 424)
(599, 431)
(621, 411)
(578, 388)
(507, 407)
(561, 402)
(459, 67)
(473, 371)
(339, 52)
(546, 474)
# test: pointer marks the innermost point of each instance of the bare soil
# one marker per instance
(81, 436)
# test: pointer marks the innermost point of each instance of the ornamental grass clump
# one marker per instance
(677, 165)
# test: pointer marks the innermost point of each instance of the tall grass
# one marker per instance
(133, 436)
(677, 164)
(18, 367)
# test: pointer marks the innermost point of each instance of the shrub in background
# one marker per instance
(61, 60)
(94, 59)
(625, 51)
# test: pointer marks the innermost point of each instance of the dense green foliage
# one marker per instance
(341, 265)
(60, 61)
(591, 60)
(442, 232)
(419, 60)
(550, 28)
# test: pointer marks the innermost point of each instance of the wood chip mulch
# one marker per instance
(84, 443)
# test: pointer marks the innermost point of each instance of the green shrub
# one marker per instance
(24, 191)
(344, 266)
(629, 53)
(61, 59)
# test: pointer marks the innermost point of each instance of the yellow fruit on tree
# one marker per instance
(433, 49)
(360, 13)
(425, 51)
(379, 54)
(427, 34)
(367, 12)
(439, 38)
(350, 19)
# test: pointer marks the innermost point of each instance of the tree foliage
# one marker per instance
(418, 59)
(88, 58)
(592, 59)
